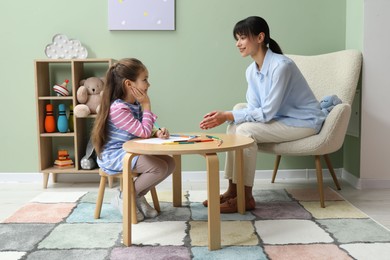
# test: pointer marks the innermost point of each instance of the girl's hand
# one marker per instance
(141, 96)
(213, 119)
(162, 133)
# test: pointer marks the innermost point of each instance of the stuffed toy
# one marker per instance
(88, 96)
(88, 162)
(329, 102)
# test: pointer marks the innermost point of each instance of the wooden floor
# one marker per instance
(375, 203)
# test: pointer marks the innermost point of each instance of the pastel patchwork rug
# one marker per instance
(286, 224)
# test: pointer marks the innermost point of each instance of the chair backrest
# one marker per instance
(335, 73)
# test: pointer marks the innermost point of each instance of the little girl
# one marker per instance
(125, 113)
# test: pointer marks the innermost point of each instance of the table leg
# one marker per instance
(240, 181)
(176, 182)
(214, 215)
(126, 193)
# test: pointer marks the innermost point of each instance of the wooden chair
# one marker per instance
(103, 179)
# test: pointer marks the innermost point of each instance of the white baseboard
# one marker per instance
(186, 176)
(200, 176)
(363, 184)
(21, 177)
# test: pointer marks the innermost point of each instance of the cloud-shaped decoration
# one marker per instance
(63, 48)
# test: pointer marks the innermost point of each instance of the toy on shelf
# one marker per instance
(88, 162)
(62, 121)
(62, 90)
(63, 160)
(50, 122)
(89, 96)
(70, 119)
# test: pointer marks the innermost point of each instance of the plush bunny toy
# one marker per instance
(329, 102)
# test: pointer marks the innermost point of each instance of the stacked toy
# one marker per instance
(63, 160)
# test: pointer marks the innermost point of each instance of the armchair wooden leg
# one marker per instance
(331, 170)
(276, 166)
(320, 180)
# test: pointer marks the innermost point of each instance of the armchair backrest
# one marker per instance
(335, 73)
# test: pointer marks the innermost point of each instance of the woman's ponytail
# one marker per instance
(274, 46)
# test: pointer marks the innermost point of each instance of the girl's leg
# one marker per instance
(153, 169)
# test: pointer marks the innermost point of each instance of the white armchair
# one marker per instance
(327, 74)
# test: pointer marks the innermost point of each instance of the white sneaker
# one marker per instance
(117, 203)
(140, 216)
(145, 208)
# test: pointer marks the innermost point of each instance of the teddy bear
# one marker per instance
(329, 102)
(88, 96)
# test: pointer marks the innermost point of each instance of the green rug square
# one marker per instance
(84, 213)
(72, 236)
(91, 197)
(364, 230)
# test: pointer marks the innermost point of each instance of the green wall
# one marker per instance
(193, 70)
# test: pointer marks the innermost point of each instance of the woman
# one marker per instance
(280, 105)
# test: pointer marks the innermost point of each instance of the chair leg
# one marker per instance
(320, 180)
(156, 204)
(276, 166)
(133, 202)
(100, 197)
(110, 181)
(331, 170)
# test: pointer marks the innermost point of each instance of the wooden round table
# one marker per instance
(209, 150)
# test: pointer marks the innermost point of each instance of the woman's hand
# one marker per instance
(213, 119)
(162, 133)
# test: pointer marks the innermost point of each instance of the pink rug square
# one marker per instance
(306, 252)
(41, 213)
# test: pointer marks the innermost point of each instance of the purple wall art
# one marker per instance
(141, 14)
